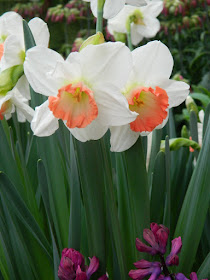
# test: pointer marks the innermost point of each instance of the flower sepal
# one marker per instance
(9, 78)
(96, 39)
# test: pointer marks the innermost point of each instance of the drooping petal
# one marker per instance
(180, 276)
(40, 31)
(93, 131)
(150, 28)
(113, 108)
(13, 52)
(177, 92)
(39, 65)
(122, 138)
(136, 37)
(44, 123)
(112, 8)
(23, 87)
(93, 267)
(141, 247)
(153, 8)
(155, 61)
(21, 103)
(112, 64)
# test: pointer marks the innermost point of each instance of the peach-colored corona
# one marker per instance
(75, 104)
(5, 106)
(151, 105)
(1, 50)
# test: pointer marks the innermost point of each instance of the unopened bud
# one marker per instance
(184, 132)
(96, 39)
(191, 105)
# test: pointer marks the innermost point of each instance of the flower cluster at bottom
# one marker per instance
(157, 238)
(72, 266)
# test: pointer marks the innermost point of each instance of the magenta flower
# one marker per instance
(72, 266)
(172, 258)
(193, 276)
(157, 237)
(145, 268)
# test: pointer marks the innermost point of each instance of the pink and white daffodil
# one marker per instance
(113, 7)
(83, 91)
(150, 93)
(139, 21)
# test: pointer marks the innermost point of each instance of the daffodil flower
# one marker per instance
(14, 100)
(83, 91)
(139, 21)
(11, 28)
(113, 7)
(150, 93)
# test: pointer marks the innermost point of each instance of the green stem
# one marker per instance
(99, 23)
(129, 41)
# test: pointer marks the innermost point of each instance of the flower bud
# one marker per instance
(191, 105)
(172, 258)
(184, 132)
(9, 78)
(96, 39)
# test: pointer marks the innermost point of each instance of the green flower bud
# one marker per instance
(96, 39)
(191, 105)
(184, 132)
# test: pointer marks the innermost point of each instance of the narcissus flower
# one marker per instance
(150, 93)
(140, 21)
(12, 50)
(83, 91)
(113, 7)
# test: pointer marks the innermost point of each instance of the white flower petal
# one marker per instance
(40, 31)
(93, 131)
(113, 108)
(201, 116)
(5, 98)
(23, 87)
(112, 8)
(13, 52)
(136, 3)
(153, 8)
(152, 62)
(106, 63)
(136, 37)
(39, 65)
(20, 116)
(150, 29)
(122, 138)
(177, 92)
(11, 23)
(44, 123)
(19, 102)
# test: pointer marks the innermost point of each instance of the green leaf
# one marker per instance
(9, 78)
(205, 100)
(177, 143)
(204, 271)
(138, 187)
(193, 213)
(21, 211)
(167, 209)
(157, 200)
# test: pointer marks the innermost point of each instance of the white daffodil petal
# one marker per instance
(177, 92)
(66, 72)
(14, 52)
(44, 123)
(122, 138)
(113, 108)
(20, 116)
(40, 31)
(19, 102)
(5, 98)
(93, 131)
(11, 23)
(112, 8)
(155, 62)
(39, 65)
(150, 29)
(112, 63)
(136, 3)
(201, 115)
(136, 37)
(153, 8)
(23, 87)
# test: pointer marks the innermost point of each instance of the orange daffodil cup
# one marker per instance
(83, 90)
(12, 54)
(150, 93)
(139, 21)
(113, 7)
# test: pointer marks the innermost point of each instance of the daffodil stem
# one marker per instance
(99, 23)
(129, 41)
